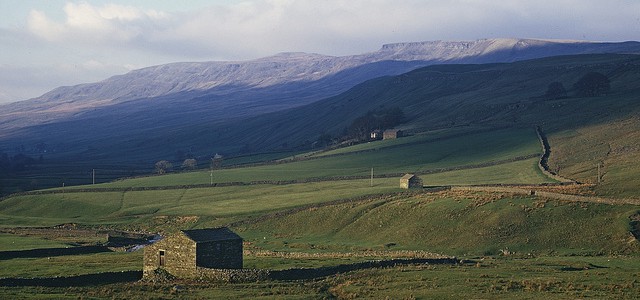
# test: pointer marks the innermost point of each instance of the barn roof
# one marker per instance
(211, 234)
(407, 176)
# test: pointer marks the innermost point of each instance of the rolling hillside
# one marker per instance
(454, 223)
(249, 191)
(182, 98)
(435, 97)
(468, 125)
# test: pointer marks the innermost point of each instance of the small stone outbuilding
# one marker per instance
(391, 134)
(188, 252)
(376, 135)
(410, 181)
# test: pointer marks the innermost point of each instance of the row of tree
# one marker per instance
(165, 166)
(360, 129)
(592, 84)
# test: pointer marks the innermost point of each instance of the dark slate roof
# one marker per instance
(211, 234)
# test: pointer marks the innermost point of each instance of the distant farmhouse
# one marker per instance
(410, 181)
(391, 134)
(189, 253)
(376, 135)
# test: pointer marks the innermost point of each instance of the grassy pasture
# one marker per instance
(222, 204)
(518, 172)
(225, 203)
(418, 138)
(483, 278)
(614, 145)
(11, 242)
(453, 223)
(71, 265)
(551, 243)
(405, 156)
(536, 278)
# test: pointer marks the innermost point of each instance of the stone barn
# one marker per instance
(187, 253)
(391, 134)
(410, 181)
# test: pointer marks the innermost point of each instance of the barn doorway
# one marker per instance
(161, 258)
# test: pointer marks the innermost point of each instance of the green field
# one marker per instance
(614, 145)
(556, 251)
(222, 204)
(516, 246)
(465, 224)
(10, 242)
(413, 154)
(70, 265)
(483, 278)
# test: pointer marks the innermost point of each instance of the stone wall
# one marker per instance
(531, 190)
(231, 275)
(179, 256)
(543, 164)
(220, 254)
(253, 275)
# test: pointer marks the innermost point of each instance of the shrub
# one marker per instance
(592, 84)
(163, 166)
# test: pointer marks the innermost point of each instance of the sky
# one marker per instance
(49, 43)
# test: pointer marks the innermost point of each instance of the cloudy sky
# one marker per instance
(45, 44)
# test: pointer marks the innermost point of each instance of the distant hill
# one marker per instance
(583, 131)
(287, 101)
(222, 90)
(445, 96)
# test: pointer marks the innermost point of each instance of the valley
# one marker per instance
(510, 244)
(509, 229)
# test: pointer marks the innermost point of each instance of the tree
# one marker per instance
(324, 140)
(555, 91)
(592, 84)
(379, 119)
(392, 117)
(362, 126)
(163, 166)
(189, 164)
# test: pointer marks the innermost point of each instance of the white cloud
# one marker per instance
(248, 29)
(93, 38)
(88, 24)
(41, 26)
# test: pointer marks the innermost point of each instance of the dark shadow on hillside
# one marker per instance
(311, 273)
(49, 252)
(584, 268)
(80, 280)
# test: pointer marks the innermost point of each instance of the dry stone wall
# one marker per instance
(543, 165)
(220, 254)
(530, 190)
(179, 256)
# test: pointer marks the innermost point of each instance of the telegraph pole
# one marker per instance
(213, 164)
(371, 177)
(93, 176)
